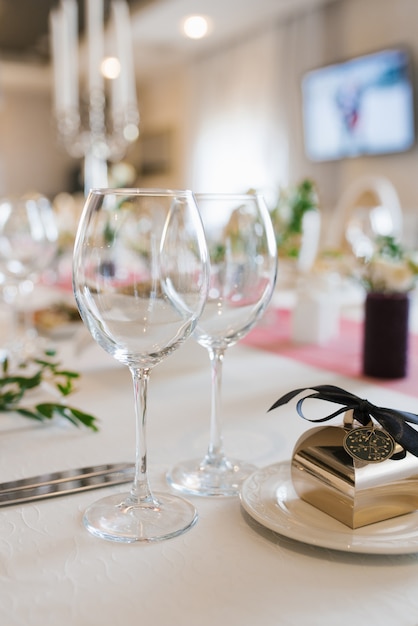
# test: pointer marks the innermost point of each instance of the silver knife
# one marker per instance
(65, 482)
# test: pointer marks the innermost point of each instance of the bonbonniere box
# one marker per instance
(357, 472)
(354, 492)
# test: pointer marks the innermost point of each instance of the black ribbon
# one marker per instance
(393, 421)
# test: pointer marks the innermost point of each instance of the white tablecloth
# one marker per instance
(226, 570)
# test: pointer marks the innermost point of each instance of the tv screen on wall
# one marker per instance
(363, 106)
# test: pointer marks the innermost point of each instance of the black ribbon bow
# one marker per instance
(393, 421)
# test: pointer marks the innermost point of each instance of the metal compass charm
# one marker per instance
(369, 444)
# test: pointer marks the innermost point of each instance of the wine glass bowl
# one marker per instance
(243, 260)
(28, 235)
(28, 245)
(140, 275)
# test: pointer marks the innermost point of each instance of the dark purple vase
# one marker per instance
(386, 334)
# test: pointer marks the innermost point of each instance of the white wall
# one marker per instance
(352, 27)
(162, 107)
(30, 157)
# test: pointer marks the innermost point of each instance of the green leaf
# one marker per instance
(46, 409)
(65, 389)
(30, 414)
(75, 416)
(48, 364)
(85, 418)
(67, 373)
(13, 389)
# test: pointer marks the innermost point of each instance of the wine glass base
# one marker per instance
(198, 478)
(115, 519)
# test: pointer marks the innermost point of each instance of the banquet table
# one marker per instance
(229, 569)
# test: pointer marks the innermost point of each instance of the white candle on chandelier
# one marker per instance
(70, 40)
(115, 81)
(56, 28)
(64, 33)
(95, 45)
(124, 51)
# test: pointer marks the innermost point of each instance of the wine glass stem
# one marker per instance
(26, 289)
(215, 455)
(10, 298)
(141, 491)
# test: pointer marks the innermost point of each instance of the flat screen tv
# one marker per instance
(362, 106)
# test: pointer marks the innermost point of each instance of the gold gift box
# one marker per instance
(354, 492)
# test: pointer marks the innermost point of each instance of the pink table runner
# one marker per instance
(342, 354)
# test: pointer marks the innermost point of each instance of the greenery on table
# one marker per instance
(37, 373)
(287, 216)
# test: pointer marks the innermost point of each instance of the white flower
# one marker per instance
(390, 269)
(386, 275)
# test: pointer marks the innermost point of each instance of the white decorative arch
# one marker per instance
(374, 196)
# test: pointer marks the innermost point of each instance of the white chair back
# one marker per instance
(369, 207)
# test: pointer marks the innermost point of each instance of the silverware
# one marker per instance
(65, 482)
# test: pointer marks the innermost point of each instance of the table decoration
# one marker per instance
(386, 335)
(359, 472)
(297, 222)
(342, 356)
(316, 315)
(268, 497)
(388, 275)
(18, 382)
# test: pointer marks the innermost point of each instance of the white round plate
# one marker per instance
(269, 498)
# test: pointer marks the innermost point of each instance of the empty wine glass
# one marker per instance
(243, 256)
(140, 274)
(28, 244)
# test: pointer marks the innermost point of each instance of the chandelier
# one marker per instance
(95, 103)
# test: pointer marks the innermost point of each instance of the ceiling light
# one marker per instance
(131, 132)
(110, 67)
(196, 26)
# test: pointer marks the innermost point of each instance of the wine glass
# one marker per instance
(28, 244)
(140, 276)
(243, 256)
